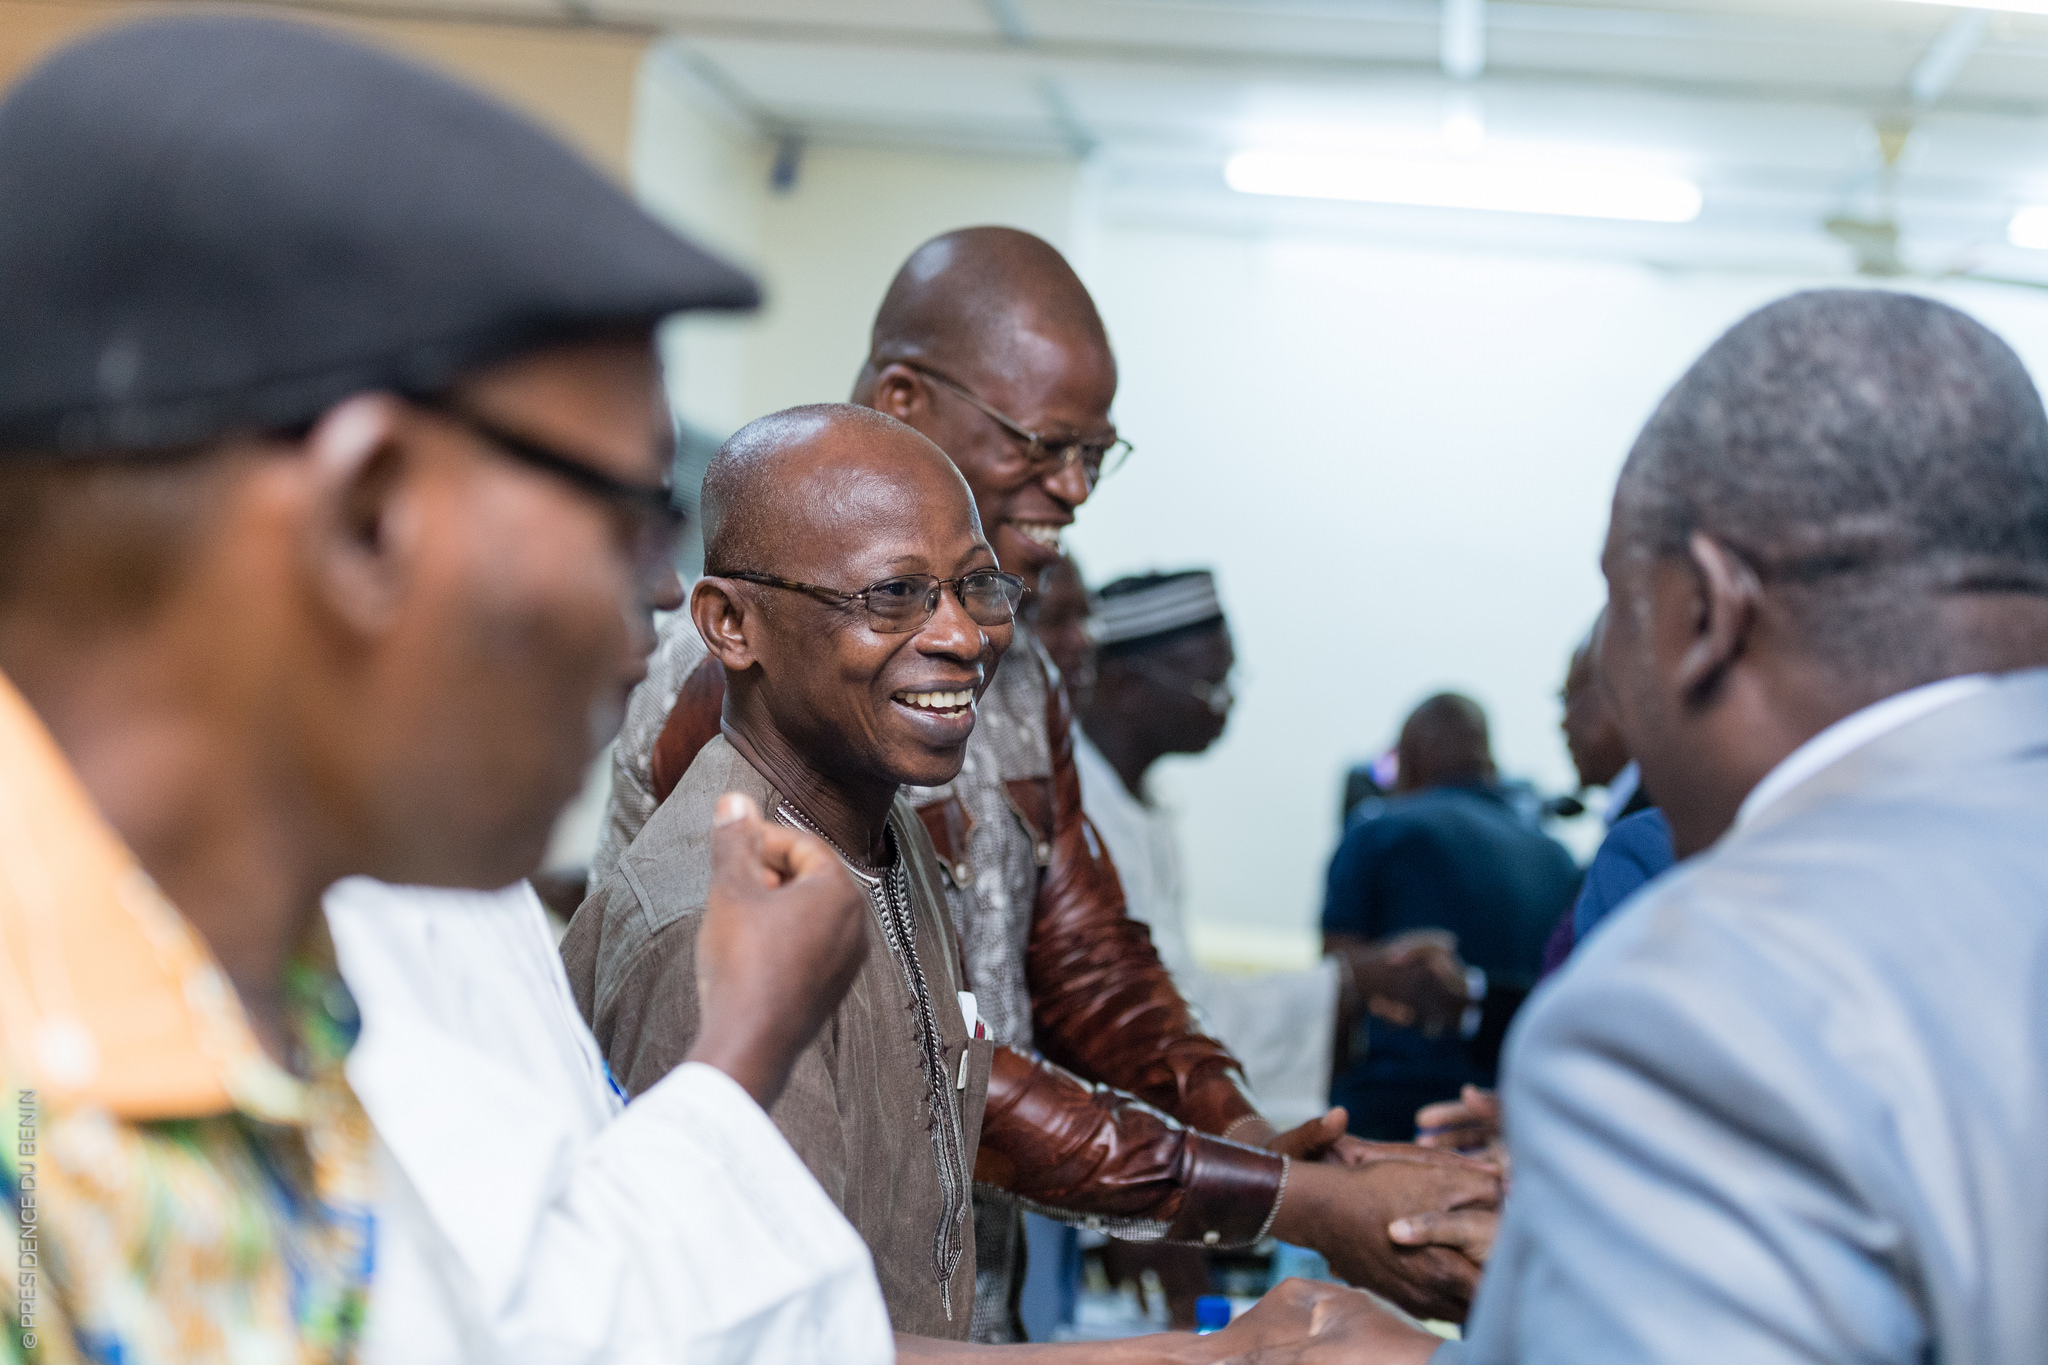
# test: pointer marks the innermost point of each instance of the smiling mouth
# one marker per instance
(1044, 533)
(937, 703)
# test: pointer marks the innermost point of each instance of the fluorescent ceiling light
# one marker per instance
(1569, 190)
(2009, 6)
(2029, 228)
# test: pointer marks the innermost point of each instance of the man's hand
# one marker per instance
(1298, 1322)
(1325, 1139)
(1302, 1323)
(1469, 1232)
(1468, 1124)
(1346, 1213)
(1322, 1139)
(1414, 980)
(785, 932)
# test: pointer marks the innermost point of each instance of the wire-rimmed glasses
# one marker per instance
(1045, 454)
(897, 606)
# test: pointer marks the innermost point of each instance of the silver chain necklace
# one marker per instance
(889, 896)
(865, 871)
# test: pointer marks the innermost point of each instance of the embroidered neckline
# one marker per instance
(889, 897)
(868, 873)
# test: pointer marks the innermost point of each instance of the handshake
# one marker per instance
(1413, 980)
(785, 934)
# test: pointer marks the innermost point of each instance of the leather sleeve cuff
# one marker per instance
(1103, 1004)
(1232, 1192)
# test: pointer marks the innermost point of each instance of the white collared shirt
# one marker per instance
(1621, 791)
(1280, 1024)
(1852, 732)
(526, 1216)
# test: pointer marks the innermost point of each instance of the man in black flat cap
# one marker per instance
(331, 455)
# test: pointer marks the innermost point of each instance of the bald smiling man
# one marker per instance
(834, 701)
(989, 345)
(858, 614)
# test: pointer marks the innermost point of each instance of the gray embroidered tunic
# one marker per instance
(991, 891)
(885, 1106)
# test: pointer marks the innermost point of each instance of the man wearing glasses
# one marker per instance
(838, 696)
(836, 699)
(989, 344)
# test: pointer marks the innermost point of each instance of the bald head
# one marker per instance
(965, 301)
(826, 682)
(794, 469)
(1444, 742)
(988, 339)
(1597, 748)
(1863, 452)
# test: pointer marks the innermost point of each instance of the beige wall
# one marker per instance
(579, 83)
(824, 250)
(830, 246)
(707, 178)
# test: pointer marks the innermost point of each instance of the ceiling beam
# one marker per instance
(1009, 20)
(1946, 57)
(677, 60)
(1081, 140)
(1862, 100)
(1464, 39)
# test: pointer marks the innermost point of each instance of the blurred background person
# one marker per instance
(1151, 663)
(1599, 753)
(1627, 859)
(1635, 848)
(1449, 852)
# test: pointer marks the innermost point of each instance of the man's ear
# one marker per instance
(725, 620)
(902, 393)
(1725, 608)
(369, 521)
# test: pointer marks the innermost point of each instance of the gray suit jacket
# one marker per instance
(1792, 1104)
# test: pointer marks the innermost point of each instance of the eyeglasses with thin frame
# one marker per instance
(1045, 454)
(897, 606)
(658, 518)
(1217, 696)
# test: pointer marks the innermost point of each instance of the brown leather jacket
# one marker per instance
(1102, 1004)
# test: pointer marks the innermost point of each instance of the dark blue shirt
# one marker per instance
(1634, 851)
(1456, 858)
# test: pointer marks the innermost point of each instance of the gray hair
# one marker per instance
(1863, 450)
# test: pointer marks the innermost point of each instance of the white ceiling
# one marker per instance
(1772, 106)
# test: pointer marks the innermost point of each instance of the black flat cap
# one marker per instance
(212, 225)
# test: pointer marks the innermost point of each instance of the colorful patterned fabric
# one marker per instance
(173, 1194)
